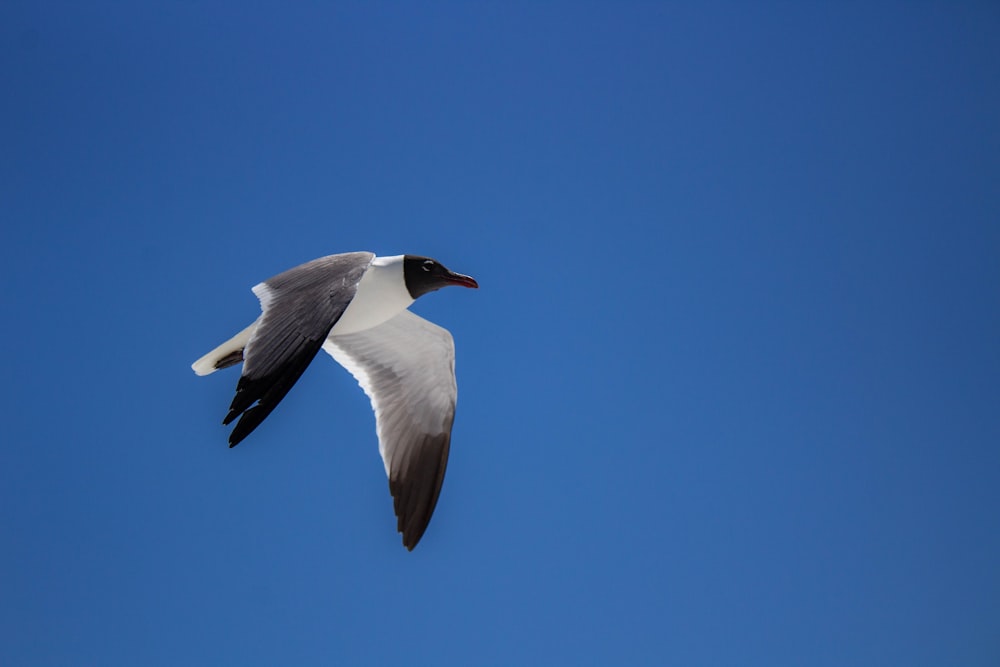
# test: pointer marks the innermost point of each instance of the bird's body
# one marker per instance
(354, 306)
(381, 294)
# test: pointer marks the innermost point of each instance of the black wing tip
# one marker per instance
(257, 397)
(411, 522)
(416, 488)
(249, 421)
(230, 416)
(233, 440)
(234, 437)
(415, 531)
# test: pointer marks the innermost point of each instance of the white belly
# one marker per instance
(381, 295)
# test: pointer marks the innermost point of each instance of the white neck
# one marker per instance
(381, 294)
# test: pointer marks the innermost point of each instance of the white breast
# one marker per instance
(381, 294)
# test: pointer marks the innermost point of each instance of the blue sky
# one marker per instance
(728, 394)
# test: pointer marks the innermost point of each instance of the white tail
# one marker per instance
(227, 354)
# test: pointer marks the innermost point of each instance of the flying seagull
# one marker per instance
(354, 306)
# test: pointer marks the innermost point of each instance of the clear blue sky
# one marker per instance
(729, 393)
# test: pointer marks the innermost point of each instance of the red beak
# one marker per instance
(464, 281)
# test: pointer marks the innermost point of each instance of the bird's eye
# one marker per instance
(428, 265)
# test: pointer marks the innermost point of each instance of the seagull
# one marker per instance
(354, 306)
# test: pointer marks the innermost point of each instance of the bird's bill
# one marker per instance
(464, 281)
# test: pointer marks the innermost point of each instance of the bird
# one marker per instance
(355, 307)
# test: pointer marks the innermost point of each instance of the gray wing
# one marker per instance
(406, 365)
(299, 306)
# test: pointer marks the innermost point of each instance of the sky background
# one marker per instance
(729, 393)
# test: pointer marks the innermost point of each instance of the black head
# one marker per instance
(424, 275)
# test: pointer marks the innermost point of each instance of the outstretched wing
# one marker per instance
(299, 306)
(406, 365)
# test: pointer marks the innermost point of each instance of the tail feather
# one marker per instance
(225, 355)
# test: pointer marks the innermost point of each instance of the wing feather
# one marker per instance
(299, 306)
(406, 366)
